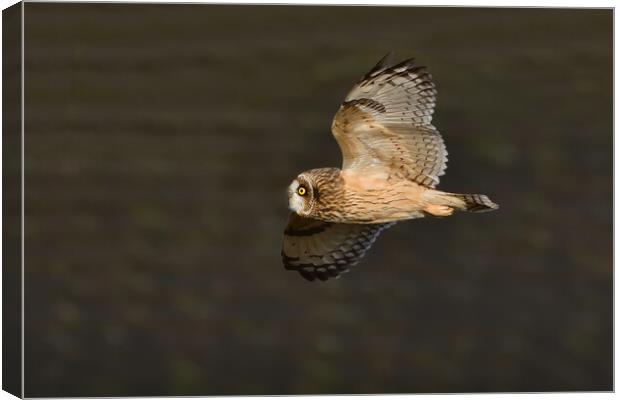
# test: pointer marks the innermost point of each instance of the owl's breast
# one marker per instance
(369, 199)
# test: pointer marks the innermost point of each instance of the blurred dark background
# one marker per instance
(159, 143)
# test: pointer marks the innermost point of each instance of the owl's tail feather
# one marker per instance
(474, 202)
(442, 203)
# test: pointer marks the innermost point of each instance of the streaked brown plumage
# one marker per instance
(392, 160)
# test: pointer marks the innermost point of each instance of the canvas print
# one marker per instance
(392, 158)
(287, 200)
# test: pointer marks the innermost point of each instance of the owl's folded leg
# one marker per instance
(439, 210)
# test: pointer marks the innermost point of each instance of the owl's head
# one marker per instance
(314, 192)
(301, 195)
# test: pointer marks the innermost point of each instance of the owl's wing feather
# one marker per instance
(384, 124)
(323, 250)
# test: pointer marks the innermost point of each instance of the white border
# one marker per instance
(479, 3)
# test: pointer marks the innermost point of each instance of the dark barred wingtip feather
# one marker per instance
(408, 64)
(420, 87)
(383, 64)
(385, 61)
(410, 69)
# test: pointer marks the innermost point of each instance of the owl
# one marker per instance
(392, 158)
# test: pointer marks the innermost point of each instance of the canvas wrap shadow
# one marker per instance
(159, 143)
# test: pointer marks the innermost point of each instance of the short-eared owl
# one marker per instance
(392, 158)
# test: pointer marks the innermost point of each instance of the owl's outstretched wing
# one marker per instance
(384, 124)
(323, 250)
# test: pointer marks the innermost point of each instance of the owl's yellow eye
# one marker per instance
(301, 191)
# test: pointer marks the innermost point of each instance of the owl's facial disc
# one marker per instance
(299, 195)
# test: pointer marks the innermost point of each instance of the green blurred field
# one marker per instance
(159, 143)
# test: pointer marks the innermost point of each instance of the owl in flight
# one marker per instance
(392, 158)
